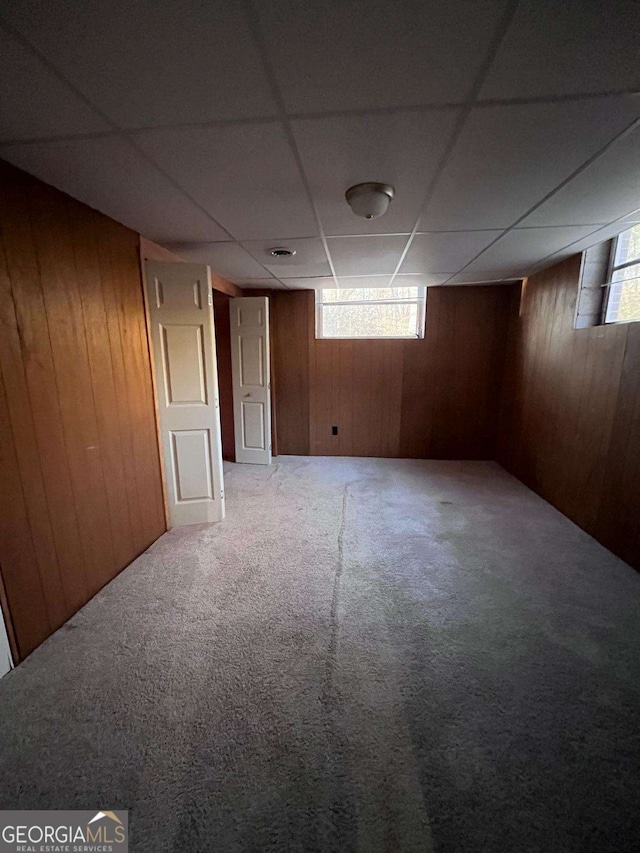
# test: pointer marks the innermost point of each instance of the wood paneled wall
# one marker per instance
(432, 398)
(570, 424)
(81, 492)
(225, 377)
(291, 330)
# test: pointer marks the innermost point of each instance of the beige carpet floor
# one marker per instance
(366, 655)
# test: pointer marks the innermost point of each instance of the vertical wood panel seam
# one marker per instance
(55, 379)
(39, 461)
(120, 308)
(63, 423)
(29, 525)
(113, 303)
(93, 396)
(618, 401)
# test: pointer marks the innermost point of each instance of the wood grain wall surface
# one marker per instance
(570, 422)
(81, 493)
(291, 316)
(225, 376)
(437, 397)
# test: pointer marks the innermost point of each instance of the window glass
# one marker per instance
(374, 320)
(623, 300)
(368, 294)
(389, 312)
(623, 304)
(627, 246)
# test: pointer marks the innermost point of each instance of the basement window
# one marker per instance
(622, 303)
(370, 312)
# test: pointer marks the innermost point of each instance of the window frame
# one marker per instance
(420, 300)
(612, 269)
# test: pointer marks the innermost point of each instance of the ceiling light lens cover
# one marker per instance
(370, 200)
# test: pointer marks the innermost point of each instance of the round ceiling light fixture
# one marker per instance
(282, 252)
(369, 200)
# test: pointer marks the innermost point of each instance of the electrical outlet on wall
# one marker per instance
(334, 430)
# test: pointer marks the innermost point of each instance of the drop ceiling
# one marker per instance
(510, 130)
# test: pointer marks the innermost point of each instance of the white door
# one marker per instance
(6, 661)
(184, 356)
(251, 378)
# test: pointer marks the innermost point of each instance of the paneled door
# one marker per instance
(251, 378)
(184, 356)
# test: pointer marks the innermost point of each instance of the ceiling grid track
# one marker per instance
(457, 123)
(117, 130)
(629, 129)
(254, 27)
(500, 33)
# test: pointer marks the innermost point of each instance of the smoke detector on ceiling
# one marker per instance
(370, 200)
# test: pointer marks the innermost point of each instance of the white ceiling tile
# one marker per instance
(603, 191)
(474, 278)
(349, 281)
(263, 281)
(401, 149)
(592, 239)
(245, 175)
(568, 47)
(480, 283)
(519, 250)
(260, 284)
(225, 259)
(162, 63)
(366, 255)
(374, 53)
(634, 216)
(509, 157)
(109, 175)
(319, 268)
(420, 280)
(445, 250)
(310, 283)
(149, 62)
(34, 102)
(310, 258)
